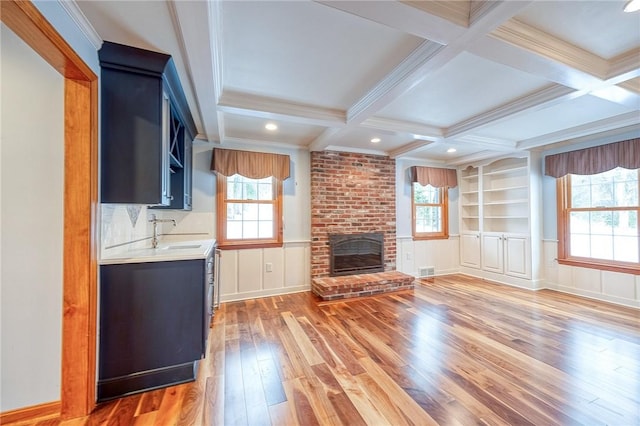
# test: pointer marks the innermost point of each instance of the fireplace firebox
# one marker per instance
(352, 254)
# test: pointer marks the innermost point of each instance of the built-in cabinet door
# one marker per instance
(492, 252)
(470, 250)
(517, 258)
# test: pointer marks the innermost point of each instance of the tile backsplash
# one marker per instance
(124, 223)
(128, 225)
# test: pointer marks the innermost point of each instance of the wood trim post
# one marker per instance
(80, 203)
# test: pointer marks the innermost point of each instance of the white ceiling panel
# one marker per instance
(466, 86)
(337, 74)
(439, 151)
(253, 128)
(360, 138)
(576, 112)
(600, 27)
(306, 52)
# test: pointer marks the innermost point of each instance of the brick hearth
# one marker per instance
(332, 288)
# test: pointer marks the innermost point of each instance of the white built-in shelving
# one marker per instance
(498, 202)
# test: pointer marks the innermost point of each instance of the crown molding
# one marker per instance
(609, 136)
(477, 157)
(584, 130)
(530, 38)
(402, 17)
(215, 41)
(409, 148)
(489, 143)
(625, 66)
(457, 12)
(543, 98)
(355, 150)
(265, 107)
(81, 21)
(233, 140)
(193, 28)
(631, 85)
(478, 9)
(404, 76)
(420, 131)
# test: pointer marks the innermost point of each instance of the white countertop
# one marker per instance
(166, 251)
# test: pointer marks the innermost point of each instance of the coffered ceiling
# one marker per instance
(483, 77)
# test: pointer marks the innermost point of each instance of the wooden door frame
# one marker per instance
(78, 377)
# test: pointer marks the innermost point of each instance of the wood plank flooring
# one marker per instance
(454, 351)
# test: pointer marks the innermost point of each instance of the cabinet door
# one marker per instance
(516, 257)
(492, 252)
(470, 250)
(151, 316)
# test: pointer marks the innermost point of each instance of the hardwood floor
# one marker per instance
(455, 351)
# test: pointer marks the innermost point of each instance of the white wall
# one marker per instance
(443, 255)
(32, 152)
(31, 226)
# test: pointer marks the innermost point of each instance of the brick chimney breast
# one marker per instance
(351, 193)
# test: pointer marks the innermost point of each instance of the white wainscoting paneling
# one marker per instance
(616, 287)
(443, 255)
(244, 274)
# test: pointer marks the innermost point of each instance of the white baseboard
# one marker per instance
(593, 295)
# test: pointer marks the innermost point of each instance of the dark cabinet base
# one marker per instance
(146, 380)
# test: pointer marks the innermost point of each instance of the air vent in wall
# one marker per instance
(426, 271)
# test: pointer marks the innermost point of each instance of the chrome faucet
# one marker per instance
(155, 221)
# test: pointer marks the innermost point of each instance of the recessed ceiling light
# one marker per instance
(632, 6)
(450, 150)
(375, 140)
(271, 126)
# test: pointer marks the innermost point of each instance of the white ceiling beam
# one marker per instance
(611, 123)
(403, 77)
(410, 148)
(543, 44)
(264, 107)
(544, 98)
(418, 130)
(193, 28)
(535, 63)
(403, 17)
(323, 141)
(427, 58)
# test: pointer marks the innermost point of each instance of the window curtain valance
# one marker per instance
(436, 177)
(591, 161)
(254, 165)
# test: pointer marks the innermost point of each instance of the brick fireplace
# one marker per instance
(351, 194)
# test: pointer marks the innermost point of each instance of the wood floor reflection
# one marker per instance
(453, 351)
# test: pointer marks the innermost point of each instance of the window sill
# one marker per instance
(430, 237)
(629, 268)
(244, 246)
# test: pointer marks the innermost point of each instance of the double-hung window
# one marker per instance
(430, 212)
(249, 197)
(429, 201)
(249, 211)
(599, 218)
